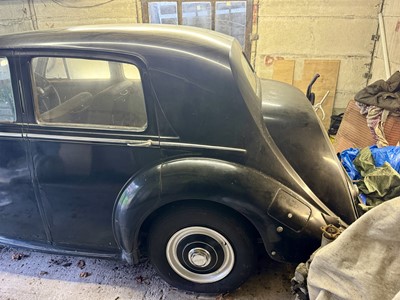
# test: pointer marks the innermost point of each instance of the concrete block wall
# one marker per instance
(391, 17)
(14, 16)
(318, 29)
(33, 14)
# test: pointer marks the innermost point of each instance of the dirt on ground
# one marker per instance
(32, 275)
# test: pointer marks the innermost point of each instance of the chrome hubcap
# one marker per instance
(200, 254)
(199, 257)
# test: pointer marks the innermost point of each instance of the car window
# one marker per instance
(7, 104)
(89, 93)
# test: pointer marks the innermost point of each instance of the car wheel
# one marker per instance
(201, 250)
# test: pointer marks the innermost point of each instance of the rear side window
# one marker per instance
(7, 103)
(89, 93)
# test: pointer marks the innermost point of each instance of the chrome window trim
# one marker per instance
(44, 124)
(10, 134)
(96, 131)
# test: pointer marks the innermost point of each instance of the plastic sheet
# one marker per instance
(347, 157)
(375, 171)
(390, 154)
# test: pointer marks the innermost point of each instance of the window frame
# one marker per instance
(79, 55)
(249, 17)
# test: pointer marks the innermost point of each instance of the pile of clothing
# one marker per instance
(377, 101)
(376, 169)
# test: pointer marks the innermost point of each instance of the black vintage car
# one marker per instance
(118, 142)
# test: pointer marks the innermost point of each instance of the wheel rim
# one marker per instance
(200, 254)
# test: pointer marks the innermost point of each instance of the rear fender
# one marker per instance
(283, 219)
(136, 201)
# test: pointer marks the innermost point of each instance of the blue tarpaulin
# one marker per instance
(347, 157)
(390, 154)
(375, 171)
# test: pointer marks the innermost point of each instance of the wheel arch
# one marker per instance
(232, 187)
(138, 241)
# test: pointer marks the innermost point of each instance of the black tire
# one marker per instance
(202, 250)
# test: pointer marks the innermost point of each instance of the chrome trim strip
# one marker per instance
(208, 147)
(88, 139)
(131, 142)
(10, 134)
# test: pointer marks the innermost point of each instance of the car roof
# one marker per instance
(120, 37)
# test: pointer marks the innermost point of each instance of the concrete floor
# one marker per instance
(32, 275)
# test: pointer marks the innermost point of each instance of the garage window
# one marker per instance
(230, 17)
(7, 105)
(89, 93)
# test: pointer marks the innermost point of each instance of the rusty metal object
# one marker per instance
(329, 234)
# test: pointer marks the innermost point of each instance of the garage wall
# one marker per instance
(391, 15)
(282, 29)
(30, 15)
(319, 29)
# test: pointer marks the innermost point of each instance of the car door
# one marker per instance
(92, 128)
(20, 214)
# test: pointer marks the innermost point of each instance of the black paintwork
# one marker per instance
(213, 138)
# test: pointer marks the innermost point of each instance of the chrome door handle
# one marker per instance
(147, 143)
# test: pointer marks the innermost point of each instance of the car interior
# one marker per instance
(112, 95)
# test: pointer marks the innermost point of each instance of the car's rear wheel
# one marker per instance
(201, 249)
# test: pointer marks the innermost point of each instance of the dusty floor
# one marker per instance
(32, 275)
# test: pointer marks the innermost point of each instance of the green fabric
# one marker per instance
(378, 183)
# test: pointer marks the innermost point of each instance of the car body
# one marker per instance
(121, 140)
